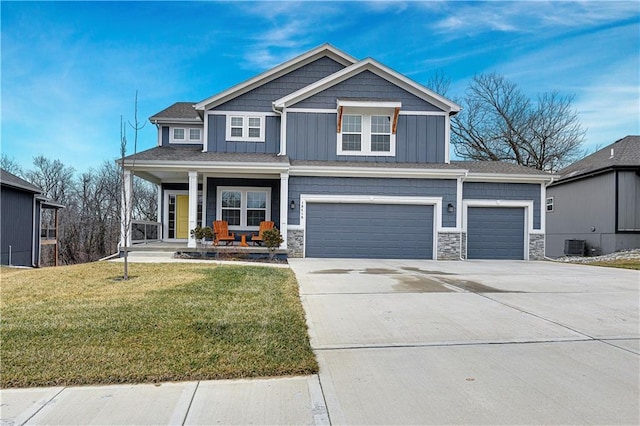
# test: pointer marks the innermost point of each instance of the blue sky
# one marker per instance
(71, 69)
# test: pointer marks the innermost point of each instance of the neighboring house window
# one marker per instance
(249, 128)
(550, 204)
(186, 135)
(367, 128)
(244, 208)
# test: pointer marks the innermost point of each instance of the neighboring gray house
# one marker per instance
(597, 200)
(21, 232)
(349, 158)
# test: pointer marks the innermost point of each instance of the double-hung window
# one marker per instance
(244, 208)
(245, 127)
(367, 128)
(185, 134)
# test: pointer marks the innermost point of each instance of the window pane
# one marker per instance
(254, 122)
(254, 133)
(380, 143)
(351, 142)
(351, 123)
(194, 134)
(254, 217)
(380, 124)
(231, 216)
(256, 200)
(231, 199)
(178, 133)
(236, 121)
(236, 131)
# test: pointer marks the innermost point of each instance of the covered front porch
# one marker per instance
(216, 187)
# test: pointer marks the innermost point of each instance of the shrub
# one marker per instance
(272, 239)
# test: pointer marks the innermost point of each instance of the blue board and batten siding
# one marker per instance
(505, 191)
(366, 86)
(445, 188)
(378, 231)
(217, 137)
(313, 136)
(260, 99)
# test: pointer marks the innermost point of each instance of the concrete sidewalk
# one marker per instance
(293, 400)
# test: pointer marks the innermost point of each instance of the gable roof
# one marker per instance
(14, 181)
(379, 69)
(278, 71)
(178, 112)
(622, 153)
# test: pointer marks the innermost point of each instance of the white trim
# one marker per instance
(245, 127)
(193, 207)
(284, 207)
(278, 71)
(227, 112)
(507, 178)
(205, 133)
(313, 110)
(203, 219)
(243, 205)
(436, 202)
(348, 103)
(165, 216)
(208, 166)
(425, 113)
(447, 139)
(345, 171)
(528, 216)
(378, 69)
(283, 132)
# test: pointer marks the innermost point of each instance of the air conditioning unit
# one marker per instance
(574, 247)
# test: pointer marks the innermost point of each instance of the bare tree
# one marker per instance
(499, 123)
(11, 165)
(439, 82)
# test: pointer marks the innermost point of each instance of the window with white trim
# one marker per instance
(185, 135)
(248, 128)
(243, 208)
(367, 129)
(549, 204)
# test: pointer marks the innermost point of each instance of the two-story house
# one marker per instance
(349, 158)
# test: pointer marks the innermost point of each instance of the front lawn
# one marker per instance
(80, 325)
(620, 263)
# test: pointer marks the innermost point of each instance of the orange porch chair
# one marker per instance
(221, 230)
(264, 226)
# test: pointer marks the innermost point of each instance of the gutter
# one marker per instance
(283, 129)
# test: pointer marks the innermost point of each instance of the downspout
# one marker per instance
(462, 178)
(283, 131)
(546, 185)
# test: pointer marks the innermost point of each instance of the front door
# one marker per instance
(182, 216)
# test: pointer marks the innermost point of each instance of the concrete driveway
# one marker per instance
(509, 342)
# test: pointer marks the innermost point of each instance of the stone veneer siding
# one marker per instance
(295, 241)
(449, 245)
(536, 246)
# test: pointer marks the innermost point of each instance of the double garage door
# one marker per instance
(379, 231)
(495, 233)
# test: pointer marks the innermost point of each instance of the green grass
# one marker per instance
(620, 263)
(79, 325)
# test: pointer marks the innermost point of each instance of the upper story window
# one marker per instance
(367, 128)
(185, 135)
(549, 204)
(245, 127)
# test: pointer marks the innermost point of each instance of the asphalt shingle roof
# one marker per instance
(626, 153)
(179, 111)
(9, 179)
(167, 153)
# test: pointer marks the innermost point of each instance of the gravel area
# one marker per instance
(621, 255)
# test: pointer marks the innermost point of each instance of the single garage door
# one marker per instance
(495, 233)
(380, 231)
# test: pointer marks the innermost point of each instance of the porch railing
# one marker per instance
(143, 231)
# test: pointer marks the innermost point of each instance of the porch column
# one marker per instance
(159, 219)
(284, 207)
(125, 220)
(193, 206)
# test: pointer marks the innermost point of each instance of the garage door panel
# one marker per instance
(369, 231)
(495, 233)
